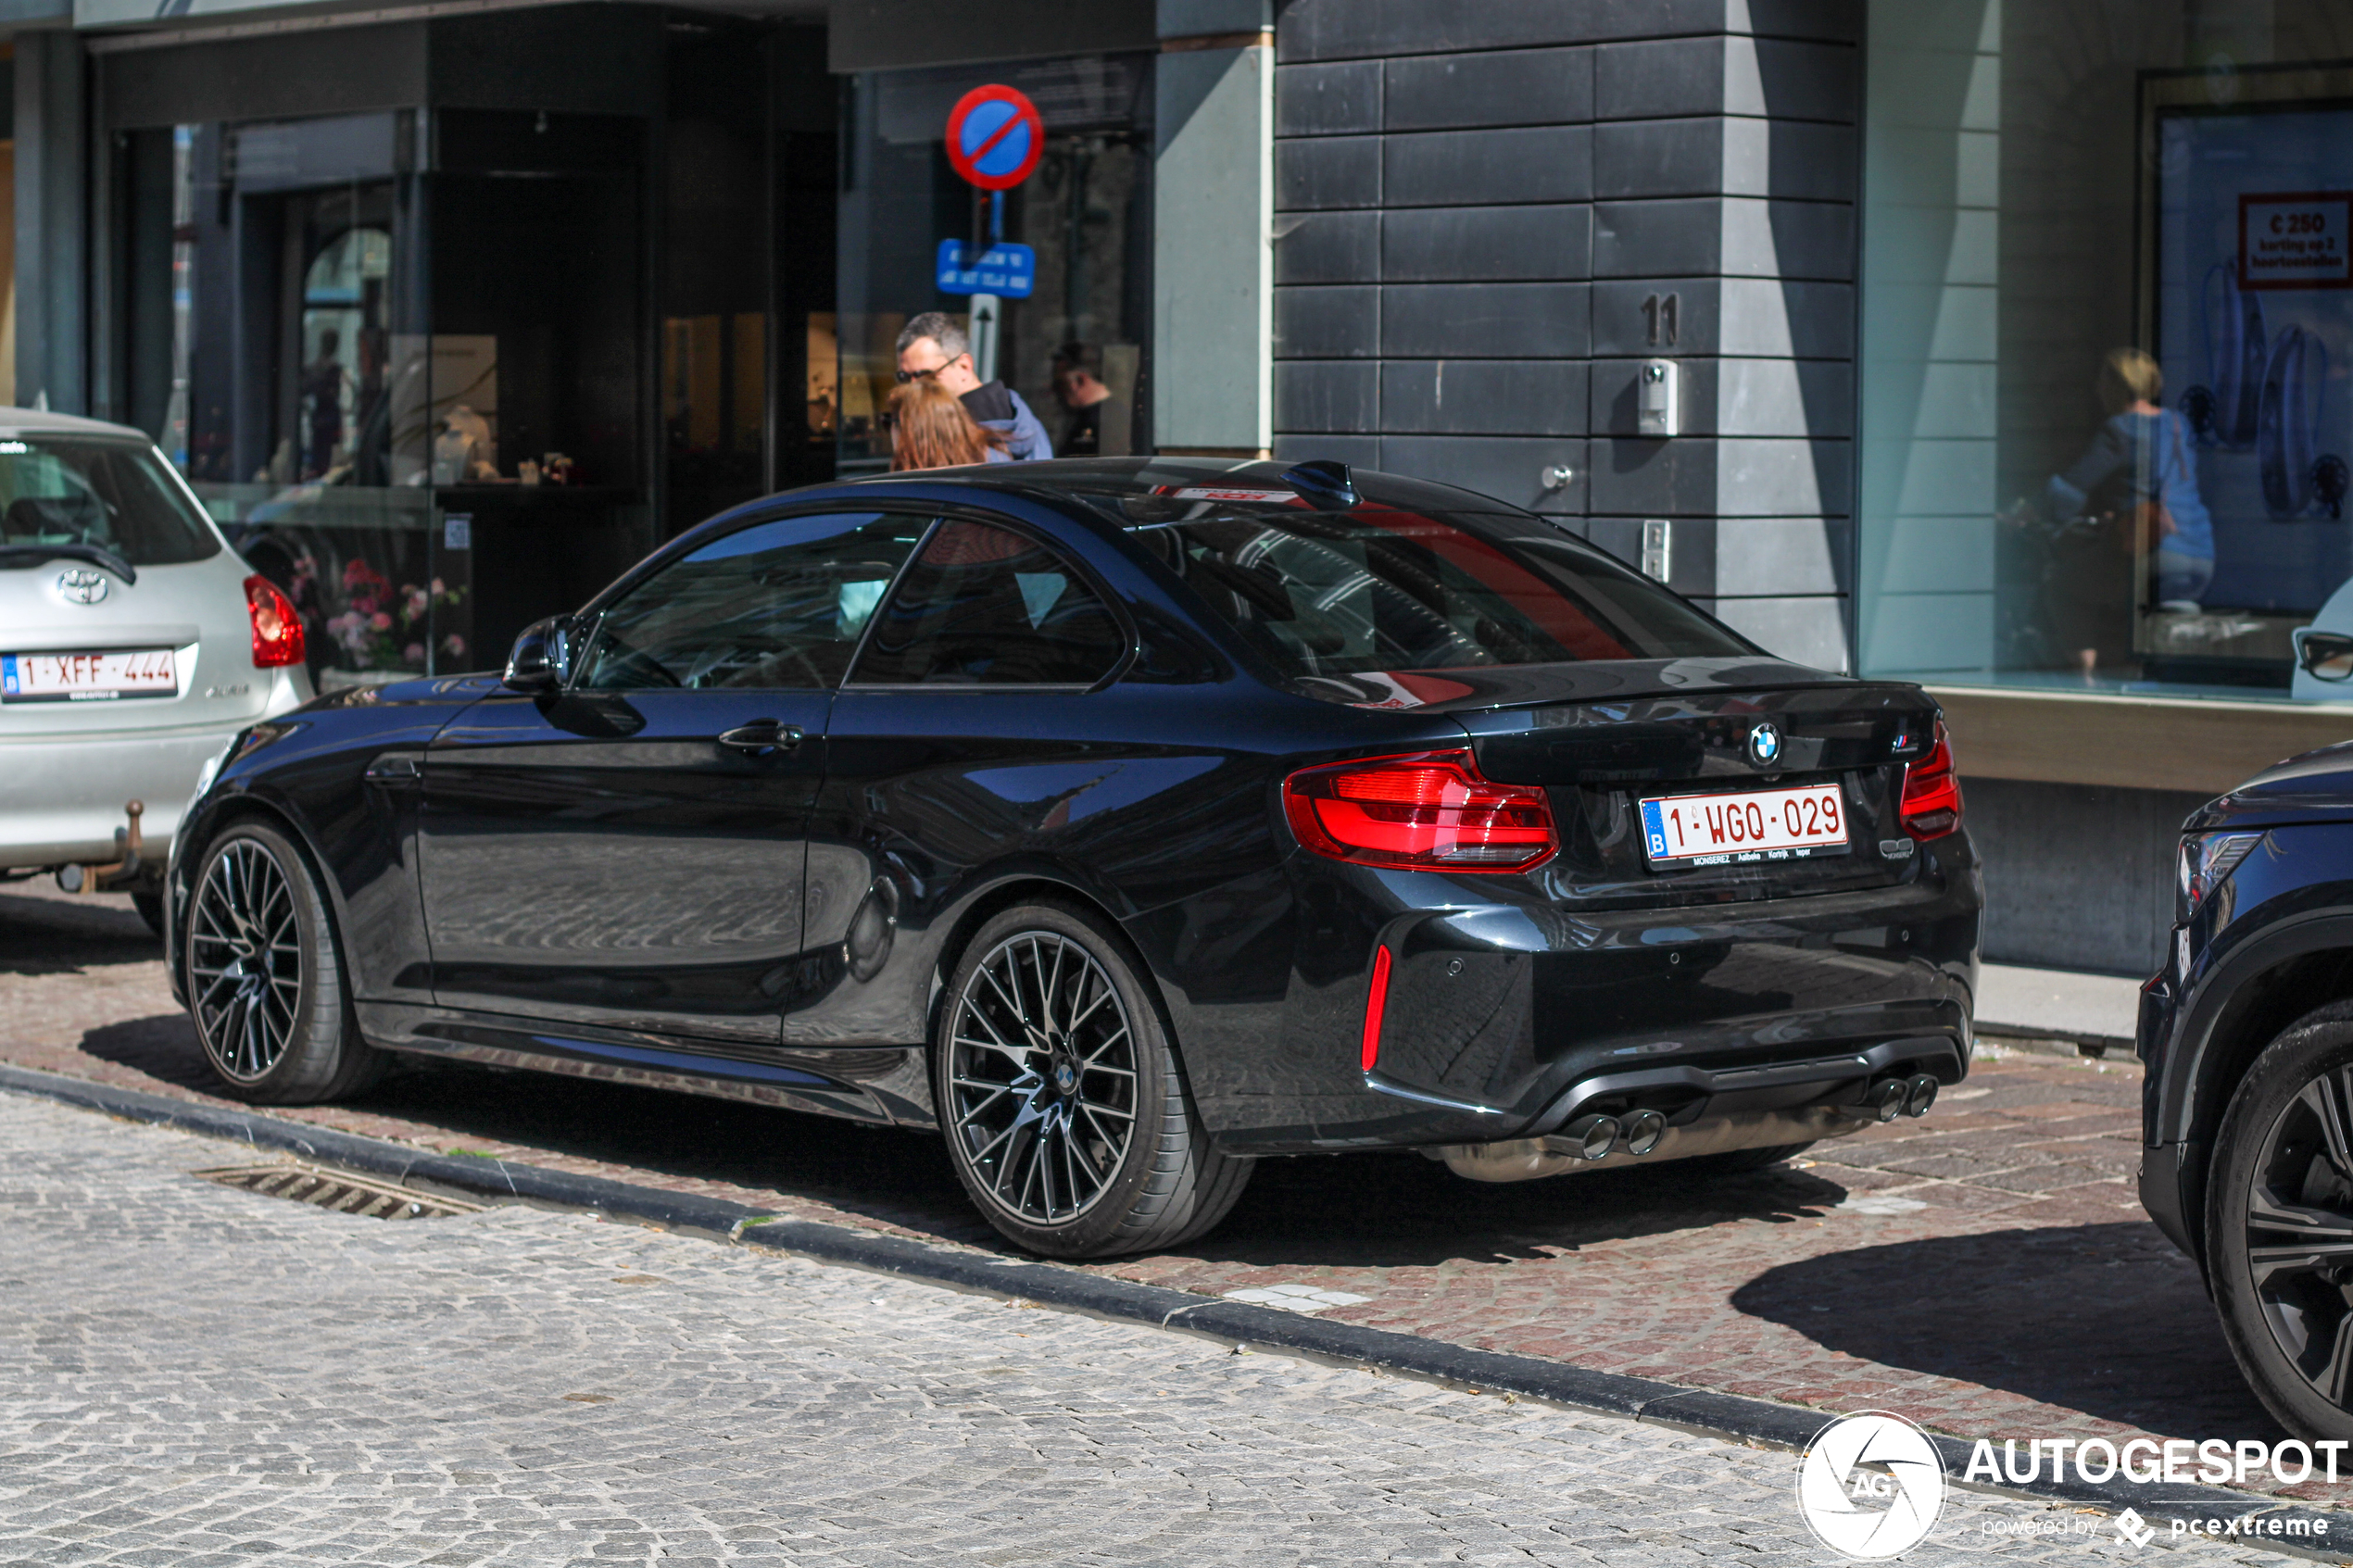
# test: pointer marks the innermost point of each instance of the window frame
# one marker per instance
(587, 625)
(1079, 569)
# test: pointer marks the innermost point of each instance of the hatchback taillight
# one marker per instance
(1428, 811)
(1932, 794)
(277, 629)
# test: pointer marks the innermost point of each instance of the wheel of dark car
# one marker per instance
(2280, 1225)
(265, 981)
(1061, 1097)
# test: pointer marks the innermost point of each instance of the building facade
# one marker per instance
(2002, 347)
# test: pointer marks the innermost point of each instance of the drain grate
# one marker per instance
(339, 1190)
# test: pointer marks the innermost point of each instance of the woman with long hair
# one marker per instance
(931, 429)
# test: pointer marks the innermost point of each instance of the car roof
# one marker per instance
(41, 421)
(1234, 478)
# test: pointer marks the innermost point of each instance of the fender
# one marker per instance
(2188, 1105)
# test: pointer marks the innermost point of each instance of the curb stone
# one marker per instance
(1755, 1423)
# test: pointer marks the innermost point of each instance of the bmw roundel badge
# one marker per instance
(1765, 746)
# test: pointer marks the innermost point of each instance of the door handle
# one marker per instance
(760, 736)
(389, 770)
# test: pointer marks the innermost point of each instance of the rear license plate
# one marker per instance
(87, 677)
(1765, 824)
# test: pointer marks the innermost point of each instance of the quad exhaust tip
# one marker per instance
(1594, 1136)
(1919, 1094)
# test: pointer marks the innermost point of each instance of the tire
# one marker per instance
(150, 907)
(2278, 1224)
(265, 978)
(1048, 1045)
(1736, 1161)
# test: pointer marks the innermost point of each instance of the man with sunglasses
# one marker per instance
(932, 345)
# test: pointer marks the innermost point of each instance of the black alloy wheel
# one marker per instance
(265, 983)
(2280, 1225)
(1061, 1097)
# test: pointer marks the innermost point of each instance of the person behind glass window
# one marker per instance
(2134, 488)
(930, 428)
(932, 347)
(323, 390)
(1078, 387)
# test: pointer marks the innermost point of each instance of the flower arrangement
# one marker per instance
(385, 628)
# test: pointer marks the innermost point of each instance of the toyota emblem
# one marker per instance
(82, 586)
(1764, 745)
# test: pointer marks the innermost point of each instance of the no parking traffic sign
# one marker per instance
(995, 137)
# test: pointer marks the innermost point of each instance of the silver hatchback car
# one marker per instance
(135, 644)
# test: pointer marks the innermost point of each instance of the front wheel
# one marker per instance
(2279, 1229)
(1061, 1097)
(265, 981)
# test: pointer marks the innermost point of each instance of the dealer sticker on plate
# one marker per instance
(87, 677)
(1765, 824)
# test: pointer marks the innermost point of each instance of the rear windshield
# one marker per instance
(1375, 589)
(110, 494)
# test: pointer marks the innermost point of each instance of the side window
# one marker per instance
(986, 606)
(777, 603)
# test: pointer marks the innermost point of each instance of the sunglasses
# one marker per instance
(906, 376)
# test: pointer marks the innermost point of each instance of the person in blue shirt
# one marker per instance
(2139, 471)
(932, 345)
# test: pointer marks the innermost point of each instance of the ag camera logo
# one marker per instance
(1870, 1485)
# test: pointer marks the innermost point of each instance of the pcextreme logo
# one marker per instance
(1870, 1485)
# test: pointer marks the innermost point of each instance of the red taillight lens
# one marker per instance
(1376, 1004)
(1428, 811)
(1932, 794)
(277, 629)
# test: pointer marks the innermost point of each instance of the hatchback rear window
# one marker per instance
(1375, 589)
(108, 494)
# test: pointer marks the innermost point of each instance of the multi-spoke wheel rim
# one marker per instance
(245, 962)
(1042, 1077)
(2299, 1234)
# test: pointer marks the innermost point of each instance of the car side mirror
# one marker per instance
(2325, 656)
(541, 661)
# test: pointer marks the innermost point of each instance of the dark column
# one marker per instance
(53, 269)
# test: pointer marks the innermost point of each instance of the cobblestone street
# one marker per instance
(197, 1375)
(1986, 1271)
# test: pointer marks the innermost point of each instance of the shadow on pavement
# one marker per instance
(2105, 1319)
(58, 936)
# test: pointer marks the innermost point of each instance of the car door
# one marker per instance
(966, 733)
(632, 852)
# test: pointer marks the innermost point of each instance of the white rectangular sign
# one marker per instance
(87, 677)
(1763, 824)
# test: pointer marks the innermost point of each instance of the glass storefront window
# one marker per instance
(2107, 325)
(425, 445)
(1074, 348)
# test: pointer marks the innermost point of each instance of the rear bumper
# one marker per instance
(1504, 1021)
(67, 792)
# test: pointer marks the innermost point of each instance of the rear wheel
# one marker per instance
(1061, 1095)
(2279, 1230)
(265, 981)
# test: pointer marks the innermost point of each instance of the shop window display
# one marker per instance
(2107, 324)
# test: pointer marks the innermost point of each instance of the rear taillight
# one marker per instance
(277, 629)
(1428, 811)
(1932, 794)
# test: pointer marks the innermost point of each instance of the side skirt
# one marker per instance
(880, 1085)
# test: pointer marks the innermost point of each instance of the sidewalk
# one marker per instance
(2097, 1012)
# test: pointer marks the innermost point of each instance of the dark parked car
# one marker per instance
(2247, 1114)
(1127, 821)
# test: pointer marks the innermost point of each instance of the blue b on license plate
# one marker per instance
(1755, 825)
